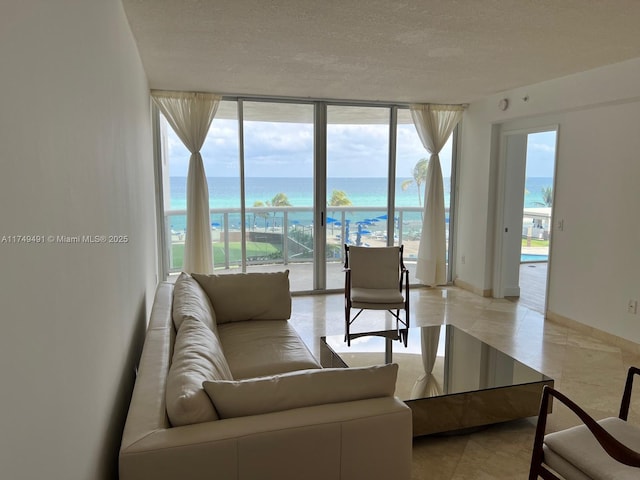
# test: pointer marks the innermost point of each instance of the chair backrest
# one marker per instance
(374, 267)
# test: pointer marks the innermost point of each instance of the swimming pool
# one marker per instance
(530, 257)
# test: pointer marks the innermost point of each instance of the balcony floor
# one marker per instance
(533, 284)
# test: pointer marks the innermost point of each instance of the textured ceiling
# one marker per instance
(447, 51)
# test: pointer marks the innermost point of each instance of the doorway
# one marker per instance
(527, 208)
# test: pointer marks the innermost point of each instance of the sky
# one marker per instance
(285, 149)
(541, 154)
(280, 149)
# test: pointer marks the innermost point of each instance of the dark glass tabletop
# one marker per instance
(437, 361)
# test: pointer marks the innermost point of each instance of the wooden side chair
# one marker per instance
(376, 279)
(603, 449)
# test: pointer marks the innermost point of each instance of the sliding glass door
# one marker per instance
(290, 183)
(278, 189)
(357, 181)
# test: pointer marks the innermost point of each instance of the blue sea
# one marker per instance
(533, 187)
(224, 192)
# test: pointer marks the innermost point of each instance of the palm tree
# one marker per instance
(339, 199)
(279, 200)
(419, 177)
(547, 197)
(264, 215)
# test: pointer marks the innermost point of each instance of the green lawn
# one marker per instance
(535, 242)
(254, 249)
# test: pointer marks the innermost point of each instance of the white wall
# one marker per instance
(595, 260)
(75, 159)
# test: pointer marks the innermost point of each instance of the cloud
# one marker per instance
(357, 150)
(278, 149)
(281, 149)
(541, 148)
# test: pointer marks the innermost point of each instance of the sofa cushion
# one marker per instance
(266, 347)
(191, 301)
(300, 389)
(248, 296)
(197, 357)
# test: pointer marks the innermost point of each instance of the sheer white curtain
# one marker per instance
(427, 385)
(190, 115)
(434, 124)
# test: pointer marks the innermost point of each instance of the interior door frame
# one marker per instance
(501, 260)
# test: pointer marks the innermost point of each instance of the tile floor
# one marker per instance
(588, 370)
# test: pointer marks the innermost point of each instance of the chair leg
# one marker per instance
(347, 315)
(406, 324)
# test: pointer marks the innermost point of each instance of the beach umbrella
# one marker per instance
(331, 220)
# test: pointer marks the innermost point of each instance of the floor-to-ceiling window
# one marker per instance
(220, 158)
(357, 182)
(411, 174)
(278, 188)
(263, 158)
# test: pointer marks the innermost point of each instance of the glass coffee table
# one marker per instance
(450, 379)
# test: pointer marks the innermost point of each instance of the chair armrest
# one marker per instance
(626, 396)
(347, 283)
(615, 449)
(346, 256)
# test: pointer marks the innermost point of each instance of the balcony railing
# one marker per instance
(284, 235)
(536, 232)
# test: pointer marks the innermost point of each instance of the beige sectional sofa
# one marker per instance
(226, 389)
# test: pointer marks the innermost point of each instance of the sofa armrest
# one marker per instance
(353, 440)
(147, 410)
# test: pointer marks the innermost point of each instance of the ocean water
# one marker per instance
(224, 192)
(533, 187)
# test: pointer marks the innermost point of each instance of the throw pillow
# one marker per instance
(248, 296)
(191, 301)
(303, 388)
(197, 357)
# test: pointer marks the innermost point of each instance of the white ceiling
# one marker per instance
(447, 51)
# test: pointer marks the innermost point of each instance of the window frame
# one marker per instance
(319, 180)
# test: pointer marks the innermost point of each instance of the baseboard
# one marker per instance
(467, 286)
(512, 291)
(622, 343)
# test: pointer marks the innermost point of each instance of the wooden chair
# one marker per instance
(607, 448)
(376, 279)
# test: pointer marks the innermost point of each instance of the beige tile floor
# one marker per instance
(589, 370)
